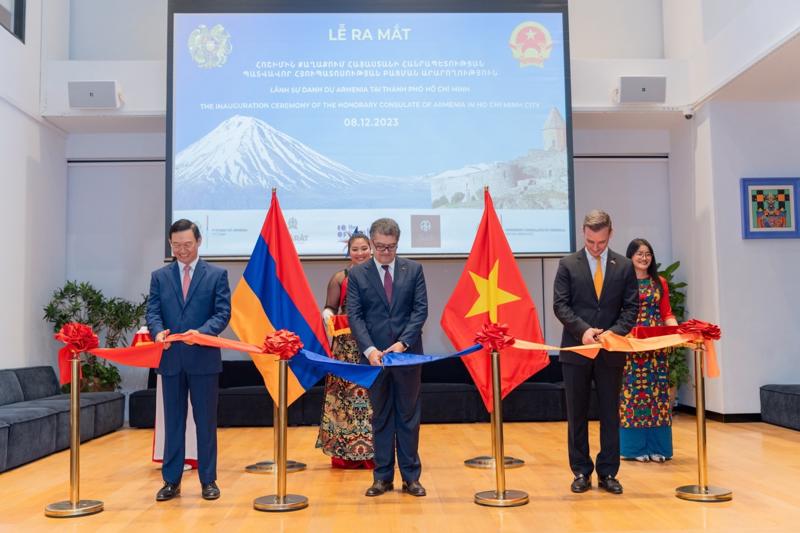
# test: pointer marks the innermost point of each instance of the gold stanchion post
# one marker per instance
(487, 461)
(501, 497)
(281, 501)
(268, 467)
(701, 492)
(74, 506)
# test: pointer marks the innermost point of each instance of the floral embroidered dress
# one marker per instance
(345, 429)
(645, 411)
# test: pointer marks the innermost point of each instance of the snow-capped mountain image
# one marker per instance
(236, 165)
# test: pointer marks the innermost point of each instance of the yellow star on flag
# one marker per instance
(490, 296)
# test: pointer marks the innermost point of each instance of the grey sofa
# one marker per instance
(34, 415)
(780, 405)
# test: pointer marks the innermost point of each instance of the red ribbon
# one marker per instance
(494, 337)
(77, 338)
(282, 343)
(709, 332)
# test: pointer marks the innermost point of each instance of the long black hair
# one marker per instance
(652, 270)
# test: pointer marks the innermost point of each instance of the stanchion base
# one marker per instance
(290, 502)
(510, 498)
(268, 467)
(487, 462)
(696, 493)
(65, 509)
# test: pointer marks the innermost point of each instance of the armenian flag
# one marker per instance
(274, 294)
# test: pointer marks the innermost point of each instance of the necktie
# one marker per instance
(387, 282)
(186, 281)
(598, 278)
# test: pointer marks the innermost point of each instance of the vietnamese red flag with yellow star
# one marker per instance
(491, 290)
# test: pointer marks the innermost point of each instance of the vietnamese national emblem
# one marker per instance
(530, 44)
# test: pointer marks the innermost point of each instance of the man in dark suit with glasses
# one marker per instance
(387, 305)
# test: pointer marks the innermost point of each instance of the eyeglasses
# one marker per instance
(643, 255)
(385, 247)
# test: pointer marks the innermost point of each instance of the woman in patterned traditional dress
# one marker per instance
(645, 410)
(345, 430)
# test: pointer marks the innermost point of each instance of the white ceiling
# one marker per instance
(775, 78)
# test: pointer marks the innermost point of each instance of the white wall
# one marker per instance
(116, 147)
(33, 215)
(616, 29)
(33, 182)
(745, 286)
(118, 30)
(694, 233)
(757, 278)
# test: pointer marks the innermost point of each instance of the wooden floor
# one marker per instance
(759, 462)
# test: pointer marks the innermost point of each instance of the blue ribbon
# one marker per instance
(310, 367)
(407, 359)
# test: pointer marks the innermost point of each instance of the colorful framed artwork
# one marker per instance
(769, 208)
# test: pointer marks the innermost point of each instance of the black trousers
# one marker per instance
(578, 384)
(396, 414)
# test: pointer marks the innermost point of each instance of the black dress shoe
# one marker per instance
(168, 491)
(414, 488)
(581, 483)
(379, 487)
(210, 491)
(610, 484)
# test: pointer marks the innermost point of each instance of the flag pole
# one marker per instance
(268, 467)
(487, 461)
(74, 506)
(280, 501)
(701, 492)
(501, 497)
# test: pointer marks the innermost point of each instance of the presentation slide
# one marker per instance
(357, 116)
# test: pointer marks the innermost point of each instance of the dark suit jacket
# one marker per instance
(576, 306)
(207, 309)
(373, 322)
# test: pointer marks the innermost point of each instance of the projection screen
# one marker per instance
(381, 109)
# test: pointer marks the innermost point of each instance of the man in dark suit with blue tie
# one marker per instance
(595, 290)
(189, 295)
(387, 305)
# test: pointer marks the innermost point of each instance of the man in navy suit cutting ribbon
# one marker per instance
(189, 295)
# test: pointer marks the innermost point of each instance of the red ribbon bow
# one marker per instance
(78, 338)
(709, 332)
(282, 343)
(494, 337)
